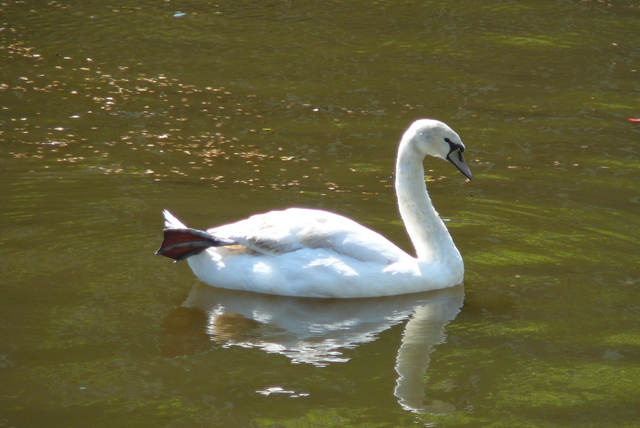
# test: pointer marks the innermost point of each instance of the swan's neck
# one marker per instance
(428, 233)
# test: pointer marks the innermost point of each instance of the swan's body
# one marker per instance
(313, 253)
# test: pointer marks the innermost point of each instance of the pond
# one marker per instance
(112, 111)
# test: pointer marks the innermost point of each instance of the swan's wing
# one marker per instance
(280, 232)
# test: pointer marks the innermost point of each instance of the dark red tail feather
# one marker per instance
(180, 244)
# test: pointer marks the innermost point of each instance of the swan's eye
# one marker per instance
(453, 146)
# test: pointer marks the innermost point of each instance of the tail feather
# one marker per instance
(171, 222)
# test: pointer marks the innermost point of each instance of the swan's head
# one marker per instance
(434, 138)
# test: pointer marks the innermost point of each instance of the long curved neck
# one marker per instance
(428, 233)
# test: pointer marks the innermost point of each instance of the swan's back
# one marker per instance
(279, 232)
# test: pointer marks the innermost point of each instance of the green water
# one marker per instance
(112, 111)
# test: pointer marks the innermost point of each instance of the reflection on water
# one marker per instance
(317, 331)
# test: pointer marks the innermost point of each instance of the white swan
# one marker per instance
(312, 253)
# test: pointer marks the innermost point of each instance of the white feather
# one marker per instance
(171, 222)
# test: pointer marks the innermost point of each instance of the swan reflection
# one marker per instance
(317, 331)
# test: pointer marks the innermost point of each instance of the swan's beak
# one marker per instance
(455, 157)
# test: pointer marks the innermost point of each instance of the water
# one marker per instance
(111, 112)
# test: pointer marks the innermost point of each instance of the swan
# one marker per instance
(303, 252)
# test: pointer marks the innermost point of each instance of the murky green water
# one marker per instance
(112, 111)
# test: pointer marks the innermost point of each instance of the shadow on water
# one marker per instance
(317, 331)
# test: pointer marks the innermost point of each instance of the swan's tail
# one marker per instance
(171, 222)
(180, 242)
